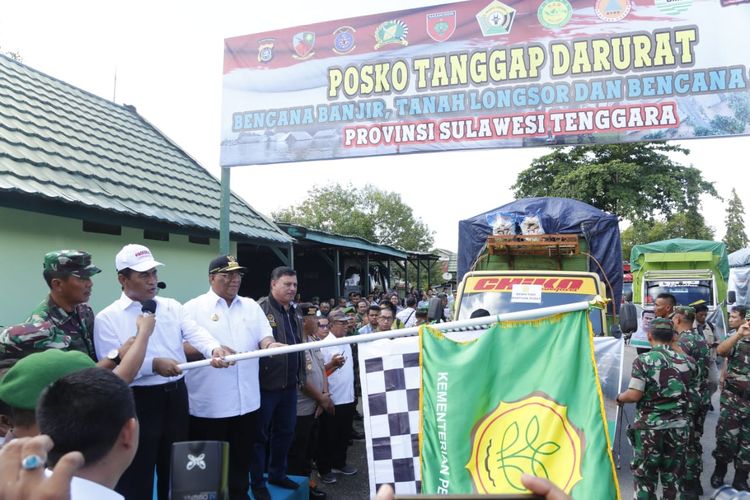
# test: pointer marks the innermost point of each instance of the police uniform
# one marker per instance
(660, 427)
(733, 428)
(50, 326)
(307, 407)
(695, 347)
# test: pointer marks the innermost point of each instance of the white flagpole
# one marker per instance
(403, 332)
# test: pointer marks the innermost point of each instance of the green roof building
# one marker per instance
(79, 171)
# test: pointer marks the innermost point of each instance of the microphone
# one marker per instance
(161, 285)
(148, 306)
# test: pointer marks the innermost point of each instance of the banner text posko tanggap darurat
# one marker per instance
(592, 56)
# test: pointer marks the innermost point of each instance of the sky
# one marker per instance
(167, 57)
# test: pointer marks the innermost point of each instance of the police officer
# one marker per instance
(658, 385)
(733, 428)
(694, 345)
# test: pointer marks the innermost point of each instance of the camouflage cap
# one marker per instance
(23, 384)
(687, 311)
(661, 324)
(74, 262)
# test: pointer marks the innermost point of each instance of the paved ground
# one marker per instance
(358, 487)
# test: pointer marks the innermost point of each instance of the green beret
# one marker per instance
(23, 384)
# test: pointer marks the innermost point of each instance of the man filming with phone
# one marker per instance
(336, 427)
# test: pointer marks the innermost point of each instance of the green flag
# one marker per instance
(523, 397)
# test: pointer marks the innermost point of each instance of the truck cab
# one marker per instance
(522, 272)
(500, 292)
(693, 271)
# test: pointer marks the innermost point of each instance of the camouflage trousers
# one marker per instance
(733, 431)
(694, 451)
(658, 453)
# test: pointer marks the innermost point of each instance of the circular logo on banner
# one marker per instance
(612, 10)
(533, 435)
(554, 14)
(673, 7)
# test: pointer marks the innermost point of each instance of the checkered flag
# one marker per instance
(390, 377)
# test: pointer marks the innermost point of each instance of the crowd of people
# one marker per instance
(288, 414)
(280, 414)
(671, 386)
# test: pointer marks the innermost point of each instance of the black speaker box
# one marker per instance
(199, 470)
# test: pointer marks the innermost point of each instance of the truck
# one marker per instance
(693, 271)
(739, 277)
(539, 252)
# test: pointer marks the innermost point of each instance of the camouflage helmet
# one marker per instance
(73, 262)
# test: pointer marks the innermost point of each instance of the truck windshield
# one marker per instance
(685, 291)
(496, 295)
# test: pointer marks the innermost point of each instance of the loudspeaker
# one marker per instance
(200, 470)
(435, 309)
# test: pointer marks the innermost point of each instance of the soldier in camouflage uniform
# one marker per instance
(733, 428)
(658, 385)
(694, 345)
(63, 320)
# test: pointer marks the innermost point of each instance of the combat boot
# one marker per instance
(694, 487)
(698, 487)
(688, 490)
(717, 478)
(740, 481)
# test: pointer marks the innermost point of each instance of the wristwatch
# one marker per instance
(114, 356)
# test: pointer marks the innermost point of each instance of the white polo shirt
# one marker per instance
(235, 390)
(116, 323)
(340, 382)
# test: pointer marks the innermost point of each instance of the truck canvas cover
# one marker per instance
(739, 275)
(558, 216)
(681, 245)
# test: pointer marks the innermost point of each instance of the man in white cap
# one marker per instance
(159, 389)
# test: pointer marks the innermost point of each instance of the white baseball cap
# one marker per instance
(136, 257)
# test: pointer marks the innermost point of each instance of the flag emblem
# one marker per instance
(533, 435)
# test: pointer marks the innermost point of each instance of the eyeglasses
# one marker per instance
(386, 318)
(231, 276)
(323, 326)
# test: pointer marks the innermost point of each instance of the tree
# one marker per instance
(636, 181)
(736, 238)
(373, 214)
(689, 225)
